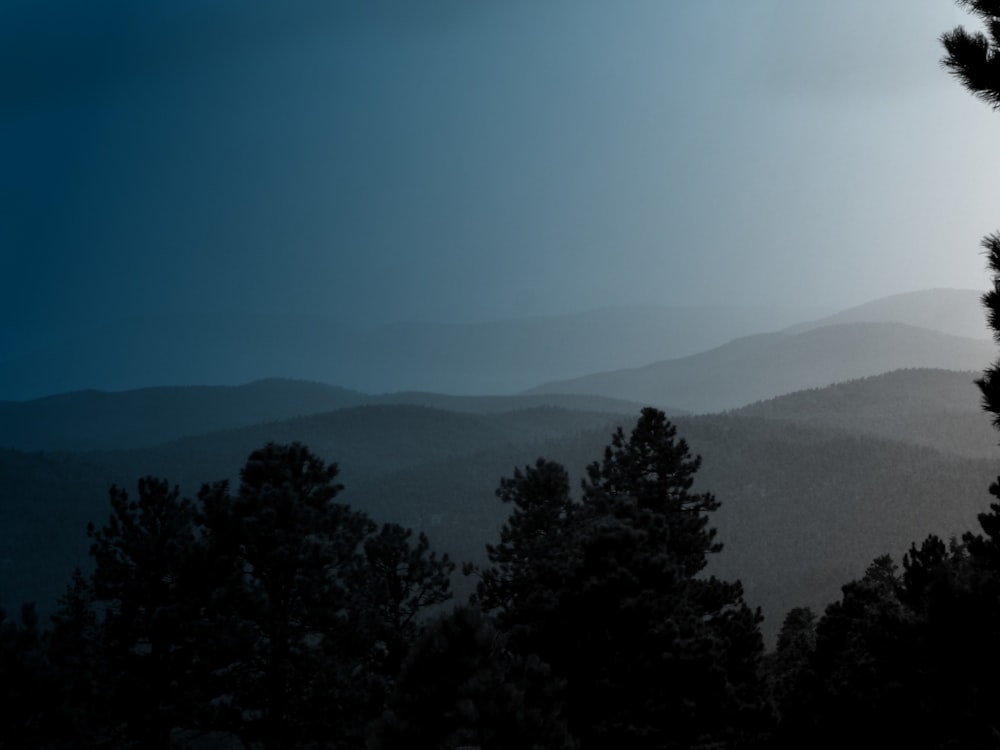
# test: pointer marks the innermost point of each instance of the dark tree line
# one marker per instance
(609, 592)
(273, 616)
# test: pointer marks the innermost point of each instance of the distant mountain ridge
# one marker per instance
(805, 505)
(958, 312)
(769, 365)
(94, 420)
(141, 418)
(500, 357)
(634, 343)
(938, 409)
(813, 483)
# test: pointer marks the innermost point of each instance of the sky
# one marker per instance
(466, 160)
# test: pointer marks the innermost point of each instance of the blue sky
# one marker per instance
(462, 160)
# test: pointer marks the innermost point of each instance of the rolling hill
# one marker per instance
(98, 420)
(958, 312)
(806, 504)
(823, 451)
(496, 357)
(769, 365)
(934, 408)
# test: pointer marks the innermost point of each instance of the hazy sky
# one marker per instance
(469, 159)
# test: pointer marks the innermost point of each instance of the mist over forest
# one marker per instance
(828, 444)
(469, 375)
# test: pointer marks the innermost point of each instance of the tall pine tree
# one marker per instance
(611, 593)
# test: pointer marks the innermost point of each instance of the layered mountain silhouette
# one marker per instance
(500, 357)
(768, 365)
(829, 442)
(812, 485)
(934, 408)
(956, 311)
(936, 328)
(98, 420)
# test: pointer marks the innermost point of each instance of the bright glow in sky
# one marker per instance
(375, 160)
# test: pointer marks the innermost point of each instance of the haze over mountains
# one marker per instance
(814, 483)
(498, 357)
(807, 502)
(506, 357)
(958, 312)
(768, 365)
(932, 329)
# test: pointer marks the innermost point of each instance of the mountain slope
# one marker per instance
(761, 367)
(497, 357)
(805, 507)
(934, 408)
(958, 312)
(803, 510)
(47, 499)
(97, 420)
(89, 420)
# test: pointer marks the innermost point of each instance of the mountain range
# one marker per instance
(768, 365)
(806, 502)
(827, 443)
(496, 357)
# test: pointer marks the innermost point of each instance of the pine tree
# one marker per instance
(536, 554)
(611, 593)
(284, 617)
(401, 581)
(314, 607)
(145, 584)
(974, 59)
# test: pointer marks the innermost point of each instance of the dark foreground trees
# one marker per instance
(288, 564)
(610, 592)
(907, 657)
(974, 59)
(273, 615)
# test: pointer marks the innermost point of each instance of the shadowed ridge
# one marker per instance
(761, 367)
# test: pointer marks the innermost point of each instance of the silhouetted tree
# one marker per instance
(290, 562)
(857, 672)
(534, 561)
(274, 616)
(313, 610)
(679, 651)
(788, 669)
(144, 586)
(974, 59)
(905, 659)
(653, 653)
(957, 589)
(953, 592)
(402, 580)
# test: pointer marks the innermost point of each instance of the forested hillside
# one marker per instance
(825, 493)
(936, 408)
